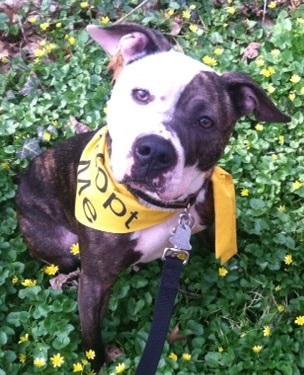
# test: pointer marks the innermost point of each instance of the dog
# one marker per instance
(169, 119)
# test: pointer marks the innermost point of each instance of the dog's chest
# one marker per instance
(151, 242)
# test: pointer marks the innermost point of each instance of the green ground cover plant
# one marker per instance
(245, 317)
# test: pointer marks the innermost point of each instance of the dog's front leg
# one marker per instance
(92, 300)
(103, 257)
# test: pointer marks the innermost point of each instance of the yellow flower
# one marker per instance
(281, 140)
(173, 357)
(282, 208)
(300, 320)
(77, 367)
(51, 270)
(105, 20)
(4, 60)
(32, 20)
(90, 354)
(120, 368)
(292, 96)
(29, 283)
(268, 72)
(272, 5)
(193, 28)
(75, 250)
(170, 12)
(288, 260)
(186, 14)
(295, 78)
(58, 25)
(44, 26)
(270, 88)
(40, 52)
(281, 308)
(84, 5)
(186, 357)
(57, 360)
(39, 362)
(231, 10)
(245, 193)
(275, 52)
(218, 51)
(22, 358)
(220, 349)
(274, 157)
(15, 280)
(267, 331)
(71, 40)
(297, 185)
(259, 62)
(222, 271)
(271, 71)
(50, 47)
(209, 61)
(47, 136)
(259, 127)
(257, 348)
(23, 339)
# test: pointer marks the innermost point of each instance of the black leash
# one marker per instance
(175, 258)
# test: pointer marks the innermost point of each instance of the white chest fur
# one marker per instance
(152, 241)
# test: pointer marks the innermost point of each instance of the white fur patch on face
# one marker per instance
(164, 75)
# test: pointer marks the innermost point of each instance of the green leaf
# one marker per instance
(61, 341)
(3, 338)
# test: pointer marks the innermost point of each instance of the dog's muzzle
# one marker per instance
(153, 156)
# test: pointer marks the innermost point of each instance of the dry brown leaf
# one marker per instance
(252, 51)
(62, 281)
(77, 126)
(113, 353)
(175, 335)
(176, 26)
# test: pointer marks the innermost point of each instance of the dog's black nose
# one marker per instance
(154, 153)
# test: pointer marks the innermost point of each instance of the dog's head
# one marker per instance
(170, 116)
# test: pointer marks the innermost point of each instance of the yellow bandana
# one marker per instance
(103, 204)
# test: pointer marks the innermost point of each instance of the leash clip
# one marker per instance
(180, 238)
(172, 252)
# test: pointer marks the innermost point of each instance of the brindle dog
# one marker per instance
(169, 120)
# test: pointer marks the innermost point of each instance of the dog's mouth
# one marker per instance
(153, 187)
(153, 192)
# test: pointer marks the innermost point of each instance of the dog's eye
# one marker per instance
(205, 122)
(141, 96)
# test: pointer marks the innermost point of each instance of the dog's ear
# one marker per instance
(248, 98)
(131, 41)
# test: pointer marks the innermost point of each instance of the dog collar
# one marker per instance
(103, 204)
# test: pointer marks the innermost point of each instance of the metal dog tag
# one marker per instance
(180, 239)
